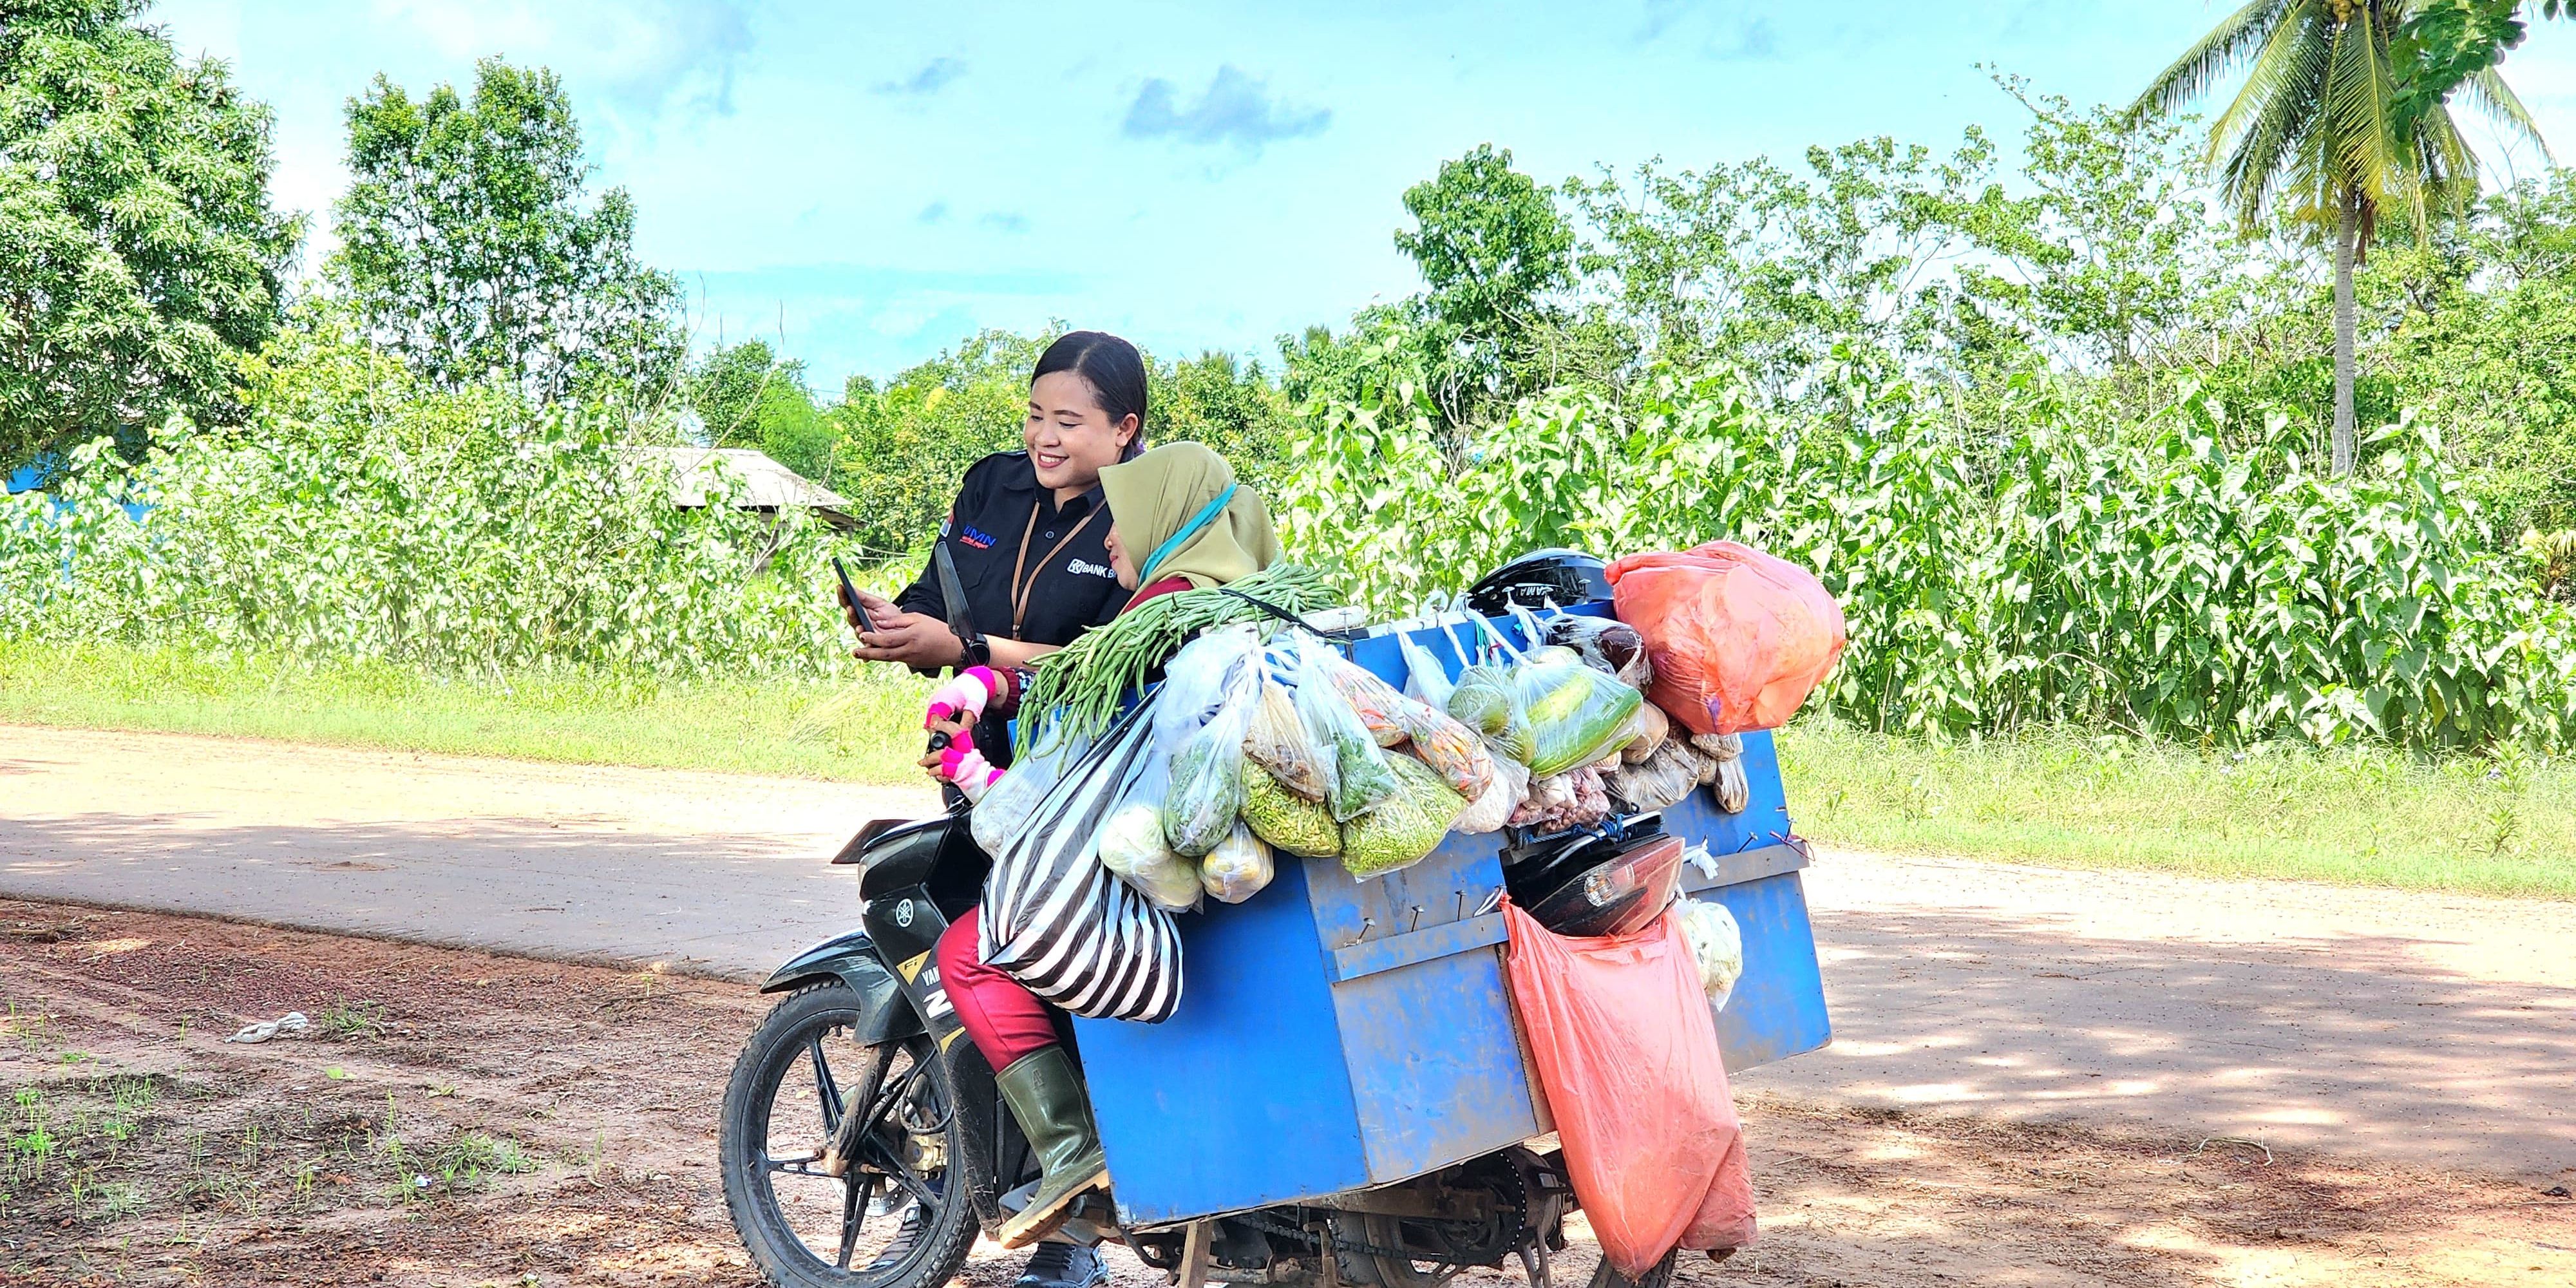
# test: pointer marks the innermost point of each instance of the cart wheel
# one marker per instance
(1404, 1272)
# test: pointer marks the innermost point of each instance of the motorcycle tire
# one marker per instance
(782, 1072)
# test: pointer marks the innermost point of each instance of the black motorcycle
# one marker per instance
(864, 1144)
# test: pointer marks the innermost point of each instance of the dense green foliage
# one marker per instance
(467, 250)
(2199, 580)
(138, 247)
(373, 519)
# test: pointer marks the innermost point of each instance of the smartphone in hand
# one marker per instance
(850, 599)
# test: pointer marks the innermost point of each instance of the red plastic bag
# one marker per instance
(1627, 1054)
(1737, 638)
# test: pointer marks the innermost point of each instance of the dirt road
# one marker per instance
(2417, 1030)
(455, 1118)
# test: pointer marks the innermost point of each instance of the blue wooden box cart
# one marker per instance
(1337, 1034)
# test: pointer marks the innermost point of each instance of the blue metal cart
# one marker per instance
(1337, 1034)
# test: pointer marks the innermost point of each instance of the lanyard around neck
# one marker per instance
(1020, 589)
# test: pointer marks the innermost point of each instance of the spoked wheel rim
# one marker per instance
(867, 1226)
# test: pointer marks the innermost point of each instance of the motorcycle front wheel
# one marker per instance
(894, 1217)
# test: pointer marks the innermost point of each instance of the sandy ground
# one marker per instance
(2414, 1029)
(330, 1159)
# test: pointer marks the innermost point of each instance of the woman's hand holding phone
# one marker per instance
(890, 634)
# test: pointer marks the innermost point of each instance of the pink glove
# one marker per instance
(967, 768)
(964, 695)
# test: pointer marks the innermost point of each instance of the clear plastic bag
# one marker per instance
(1390, 716)
(1560, 801)
(1653, 727)
(1605, 644)
(1716, 944)
(1484, 700)
(1425, 680)
(1277, 740)
(1406, 826)
(1659, 780)
(1492, 808)
(1207, 776)
(1576, 714)
(1237, 868)
(1131, 845)
(1287, 820)
(1199, 679)
(1360, 777)
(1007, 807)
(1724, 753)
(1453, 749)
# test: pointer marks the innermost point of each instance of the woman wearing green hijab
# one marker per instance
(1178, 521)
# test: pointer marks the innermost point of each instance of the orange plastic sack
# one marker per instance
(1627, 1054)
(1738, 638)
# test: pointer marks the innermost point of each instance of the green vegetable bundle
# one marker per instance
(1086, 680)
(1407, 825)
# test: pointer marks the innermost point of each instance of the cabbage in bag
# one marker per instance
(1405, 827)
(1237, 868)
(1287, 820)
(1131, 845)
(1716, 945)
(1484, 700)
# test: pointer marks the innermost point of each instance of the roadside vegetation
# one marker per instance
(2169, 534)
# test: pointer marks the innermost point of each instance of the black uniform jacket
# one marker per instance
(1033, 571)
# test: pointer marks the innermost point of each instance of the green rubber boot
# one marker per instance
(1045, 1094)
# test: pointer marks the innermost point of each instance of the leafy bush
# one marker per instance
(2191, 577)
(523, 544)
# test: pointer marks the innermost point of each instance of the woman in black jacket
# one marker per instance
(1029, 529)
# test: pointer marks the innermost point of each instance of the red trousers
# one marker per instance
(1007, 1021)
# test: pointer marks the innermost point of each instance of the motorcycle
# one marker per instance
(864, 1145)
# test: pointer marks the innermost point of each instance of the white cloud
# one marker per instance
(642, 55)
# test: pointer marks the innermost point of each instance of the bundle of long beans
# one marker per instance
(1078, 688)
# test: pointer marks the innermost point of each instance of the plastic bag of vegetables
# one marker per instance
(1493, 807)
(1237, 868)
(1006, 809)
(1485, 700)
(1198, 681)
(1668, 775)
(1453, 749)
(1406, 826)
(1207, 778)
(1131, 842)
(1360, 777)
(1576, 714)
(1560, 801)
(1277, 740)
(1605, 644)
(1287, 820)
(1716, 945)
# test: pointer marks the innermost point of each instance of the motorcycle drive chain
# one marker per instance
(1357, 1247)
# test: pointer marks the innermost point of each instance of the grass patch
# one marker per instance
(2501, 825)
(864, 729)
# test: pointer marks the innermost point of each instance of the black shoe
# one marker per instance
(1063, 1265)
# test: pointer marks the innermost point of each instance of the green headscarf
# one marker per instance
(1165, 505)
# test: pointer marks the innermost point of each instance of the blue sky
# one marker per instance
(871, 182)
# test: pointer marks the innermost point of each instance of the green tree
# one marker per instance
(467, 247)
(2324, 130)
(139, 254)
(1493, 250)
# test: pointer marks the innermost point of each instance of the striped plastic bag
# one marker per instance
(1058, 920)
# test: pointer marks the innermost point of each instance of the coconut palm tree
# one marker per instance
(2323, 131)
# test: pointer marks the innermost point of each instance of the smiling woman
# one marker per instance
(1027, 533)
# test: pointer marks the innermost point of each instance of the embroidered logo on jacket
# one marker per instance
(975, 536)
(1090, 569)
